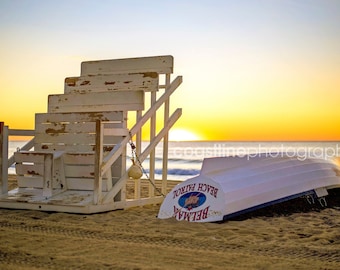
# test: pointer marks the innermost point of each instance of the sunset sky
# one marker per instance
(252, 70)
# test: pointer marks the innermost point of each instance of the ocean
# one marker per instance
(185, 158)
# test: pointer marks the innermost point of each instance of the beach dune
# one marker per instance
(136, 239)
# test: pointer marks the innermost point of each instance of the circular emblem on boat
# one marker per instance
(191, 200)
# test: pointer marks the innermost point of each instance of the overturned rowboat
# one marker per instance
(230, 186)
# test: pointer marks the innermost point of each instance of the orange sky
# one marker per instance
(252, 70)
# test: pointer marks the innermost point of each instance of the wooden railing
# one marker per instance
(6, 162)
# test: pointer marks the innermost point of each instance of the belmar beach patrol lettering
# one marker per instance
(201, 187)
(183, 190)
(205, 188)
(193, 201)
(179, 214)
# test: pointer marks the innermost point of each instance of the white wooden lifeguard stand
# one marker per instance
(79, 159)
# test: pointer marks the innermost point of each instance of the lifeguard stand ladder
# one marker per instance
(79, 159)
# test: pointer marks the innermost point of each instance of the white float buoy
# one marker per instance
(135, 172)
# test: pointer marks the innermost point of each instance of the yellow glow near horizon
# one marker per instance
(256, 71)
(182, 135)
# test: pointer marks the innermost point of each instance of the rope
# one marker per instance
(135, 157)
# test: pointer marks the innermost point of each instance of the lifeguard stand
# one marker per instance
(79, 159)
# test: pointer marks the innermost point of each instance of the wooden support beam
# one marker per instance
(98, 158)
(3, 158)
(48, 175)
(137, 190)
(152, 159)
(165, 141)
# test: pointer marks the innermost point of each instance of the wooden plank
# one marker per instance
(48, 175)
(108, 176)
(65, 138)
(61, 128)
(122, 132)
(21, 132)
(63, 147)
(147, 82)
(79, 158)
(79, 117)
(29, 169)
(137, 193)
(97, 102)
(98, 107)
(159, 64)
(72, 183)
(98, 159)
(84, 184)
(70, 147)
(83, 127)
(73, 138)
(165, 141)
(3, 158)
(34, 157)
(30, 182)
(59, 173)
(152, 157)
(86, 171)
(85, 158)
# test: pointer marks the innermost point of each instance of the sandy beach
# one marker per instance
(278, 238)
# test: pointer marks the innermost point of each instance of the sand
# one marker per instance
(136, 239)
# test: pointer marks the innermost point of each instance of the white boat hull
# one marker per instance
(230, 186)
